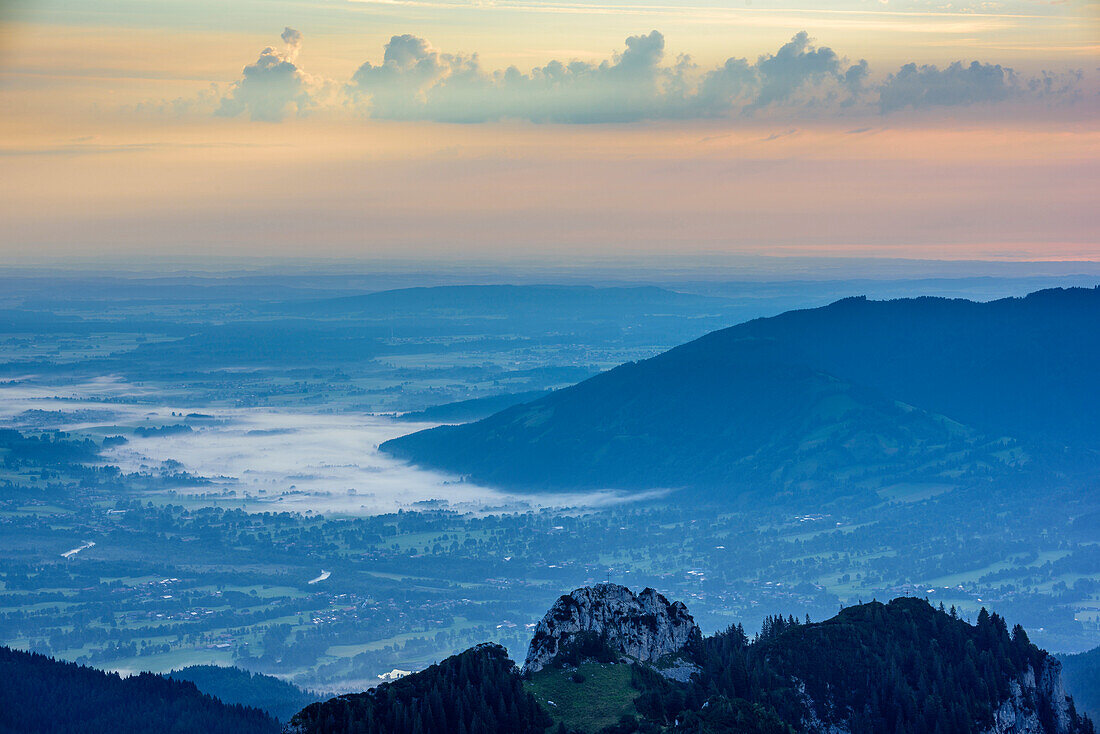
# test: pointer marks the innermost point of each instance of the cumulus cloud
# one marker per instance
(855, 79)
(790, 69)
(273, 86)
(415, 81)
(958, 84)
(732, 85)
(1056, 87)
(293, 40)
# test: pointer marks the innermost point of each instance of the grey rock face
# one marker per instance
(1031, 693)
(643, 626)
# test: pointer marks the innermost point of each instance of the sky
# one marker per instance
(551, 129)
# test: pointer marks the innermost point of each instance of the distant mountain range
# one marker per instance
(857, 391)
(482, 319)
(509, 300)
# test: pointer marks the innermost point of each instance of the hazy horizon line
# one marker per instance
(702, 266)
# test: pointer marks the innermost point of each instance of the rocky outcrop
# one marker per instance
(1037, 704)
(812, 722)
(645, 626)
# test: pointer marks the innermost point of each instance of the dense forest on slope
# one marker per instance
(475, 692)
(920, 389)
(897, 668)
(277, 697)
(40, 695)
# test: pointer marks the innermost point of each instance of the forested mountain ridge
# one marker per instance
(233, 685)
(930, 670)
(897, 668)
(906, 389)
(41, 695)
(475, 692)
(1020, 366)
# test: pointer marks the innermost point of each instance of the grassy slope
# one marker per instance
(601, 700)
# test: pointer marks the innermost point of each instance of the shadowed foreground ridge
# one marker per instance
(852, 390)
(898, 668)
(40, 694)
(476, 691)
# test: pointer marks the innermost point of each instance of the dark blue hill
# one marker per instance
(1082, 675)
(277, 697)
(906, 389)
(40, 694)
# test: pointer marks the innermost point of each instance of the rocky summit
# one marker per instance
(899, 668)
(645, 626)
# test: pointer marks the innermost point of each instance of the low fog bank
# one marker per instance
(261, 459)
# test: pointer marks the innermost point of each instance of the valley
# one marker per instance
(206, 503)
